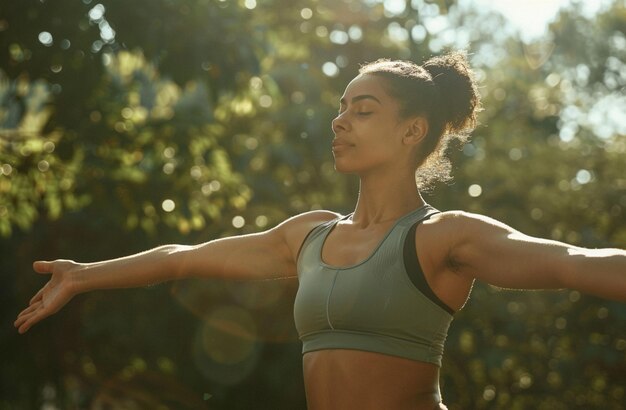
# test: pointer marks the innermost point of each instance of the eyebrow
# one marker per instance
(359, 98)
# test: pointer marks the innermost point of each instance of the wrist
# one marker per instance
(78, 278)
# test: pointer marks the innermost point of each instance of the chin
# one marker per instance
(344, 169)
(341, 168)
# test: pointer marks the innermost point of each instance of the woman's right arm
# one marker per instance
(265, 255)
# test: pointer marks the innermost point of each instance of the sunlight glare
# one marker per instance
(394, 7)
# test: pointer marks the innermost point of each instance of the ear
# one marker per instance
(416, 131)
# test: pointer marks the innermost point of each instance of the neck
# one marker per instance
(383, 199)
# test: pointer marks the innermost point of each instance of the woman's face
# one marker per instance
(368, 129)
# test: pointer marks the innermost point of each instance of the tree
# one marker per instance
(109, 144)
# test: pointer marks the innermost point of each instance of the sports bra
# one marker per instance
(382, 304)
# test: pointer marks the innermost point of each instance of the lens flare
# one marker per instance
(222, 349)
(267, 303)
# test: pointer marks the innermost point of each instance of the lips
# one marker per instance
(341, 145)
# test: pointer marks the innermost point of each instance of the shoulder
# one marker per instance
(295, 229)
(467, 236)
(452, 229)
(308, 220)
(313, 216)
(446, 222)
(461, 221)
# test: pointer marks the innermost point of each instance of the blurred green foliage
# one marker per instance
(125, 125)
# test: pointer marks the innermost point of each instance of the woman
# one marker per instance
(379, 287)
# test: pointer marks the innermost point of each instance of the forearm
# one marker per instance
(146, 268)
(599, 272)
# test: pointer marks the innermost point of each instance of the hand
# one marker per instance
(52, 297)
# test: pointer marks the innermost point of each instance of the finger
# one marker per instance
(42, 266)
(20, 320)
(29, 309)
(23, 328)
(36, 317)
(23, 318)
(37, 297)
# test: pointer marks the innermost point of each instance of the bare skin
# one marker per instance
(454, 248)
(351, 379)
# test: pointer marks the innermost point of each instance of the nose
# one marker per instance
(339, 123)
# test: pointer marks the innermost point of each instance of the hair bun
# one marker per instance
(460, 99)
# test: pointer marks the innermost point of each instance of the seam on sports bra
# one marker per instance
(332, 287)
(433, 347)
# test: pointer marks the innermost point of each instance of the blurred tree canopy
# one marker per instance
(125, 125)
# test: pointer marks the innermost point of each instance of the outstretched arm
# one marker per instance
(495, 253)
(266, 255)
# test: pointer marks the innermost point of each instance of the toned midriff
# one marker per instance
(352, 379)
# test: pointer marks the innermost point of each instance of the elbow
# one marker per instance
(176, 261)
(570, 273)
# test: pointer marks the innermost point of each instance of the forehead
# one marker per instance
(366, 84)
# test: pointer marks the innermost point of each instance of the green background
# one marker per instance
(127, 125)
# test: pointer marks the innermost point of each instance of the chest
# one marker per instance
(347, 246)
(357, 282)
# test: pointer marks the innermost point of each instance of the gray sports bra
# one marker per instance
(382, 304)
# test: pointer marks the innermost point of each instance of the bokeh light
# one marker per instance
(168, 205)
(45, 38)
(475, 190)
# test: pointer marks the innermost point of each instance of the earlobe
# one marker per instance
(417, 130)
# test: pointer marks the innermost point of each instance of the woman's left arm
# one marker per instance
(495, 253)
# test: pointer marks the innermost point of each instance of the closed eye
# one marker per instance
(360, 113)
